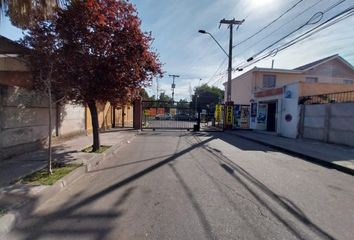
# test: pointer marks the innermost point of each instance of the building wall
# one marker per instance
(282, 79)
(266, 100)
(333, 71)
(71, 120)
(309, 89)
(104, 117)
(333, 123)
(23, 121)
(128, 116)
(290, 111)
(242, 88)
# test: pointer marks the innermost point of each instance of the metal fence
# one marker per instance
(340, 97)
(168, 115)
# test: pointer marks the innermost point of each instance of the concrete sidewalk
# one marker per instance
(67, 151)
(336, 156)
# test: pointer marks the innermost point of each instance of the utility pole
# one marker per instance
(229, 105)
(173, 86)
(231, 23)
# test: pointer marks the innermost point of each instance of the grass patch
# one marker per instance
(42, 177)
(101, 150)
(3, 211)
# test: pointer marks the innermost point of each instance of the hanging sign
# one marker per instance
(218, 113)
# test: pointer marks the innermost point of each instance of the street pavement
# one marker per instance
(181, 185)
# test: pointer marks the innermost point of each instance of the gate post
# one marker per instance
(137, 114)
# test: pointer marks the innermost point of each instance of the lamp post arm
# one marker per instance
(218, 43)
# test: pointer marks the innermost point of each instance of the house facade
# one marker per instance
(332, 69)
(24, 112)
(273, 94)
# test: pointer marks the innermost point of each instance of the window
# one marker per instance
(269, 81)
(311, 79)
(348, 81)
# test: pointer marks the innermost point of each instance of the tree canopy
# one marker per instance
(97, 50)
(22, 12)
(207, 96)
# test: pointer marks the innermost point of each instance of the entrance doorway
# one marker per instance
(271, 116)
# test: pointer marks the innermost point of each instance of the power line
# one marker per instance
(316, 18)
(330, 22)
(217, 71)
(288, 22)
(269, 24)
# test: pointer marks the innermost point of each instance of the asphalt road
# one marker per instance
(180, 185)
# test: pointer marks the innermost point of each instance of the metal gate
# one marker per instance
(168, 115)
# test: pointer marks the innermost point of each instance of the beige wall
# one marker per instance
(105, 116)
(242, 88)
(128, 117)
(333, 71)
(281, 79)
(308, 89)
(23, 121)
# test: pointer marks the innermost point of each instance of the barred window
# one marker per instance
(269, 81)
(346, 81)
(311, 80)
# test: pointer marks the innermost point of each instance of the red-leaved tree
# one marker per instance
(97, 51)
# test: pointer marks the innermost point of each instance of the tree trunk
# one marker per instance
(50, 129)
(94, 119)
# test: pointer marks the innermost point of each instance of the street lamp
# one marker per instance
(205, 32)
(229, 103)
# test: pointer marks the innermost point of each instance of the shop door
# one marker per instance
(271, 114)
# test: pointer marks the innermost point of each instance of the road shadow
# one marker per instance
(273, 202)
(61, 222)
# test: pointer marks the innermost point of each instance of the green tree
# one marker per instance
(207, 96)
(164, 97)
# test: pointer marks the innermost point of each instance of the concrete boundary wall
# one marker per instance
(333, 123)
(24, 121)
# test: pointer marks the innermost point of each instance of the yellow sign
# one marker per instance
(146, 112)
(229, 115)
(217, 114)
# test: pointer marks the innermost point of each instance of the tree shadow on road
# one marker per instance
(70, 222)
(250, 183)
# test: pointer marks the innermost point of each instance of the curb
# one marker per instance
(9, 220)
(299, 154)
(93, 162)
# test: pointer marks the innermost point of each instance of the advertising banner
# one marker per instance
(245, 116)
(218, 114)
(229, 115)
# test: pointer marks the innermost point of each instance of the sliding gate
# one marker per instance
(168, 115)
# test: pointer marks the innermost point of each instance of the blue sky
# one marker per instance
(175, 24)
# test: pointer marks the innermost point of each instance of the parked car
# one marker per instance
(166, 116)
(182, 117)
